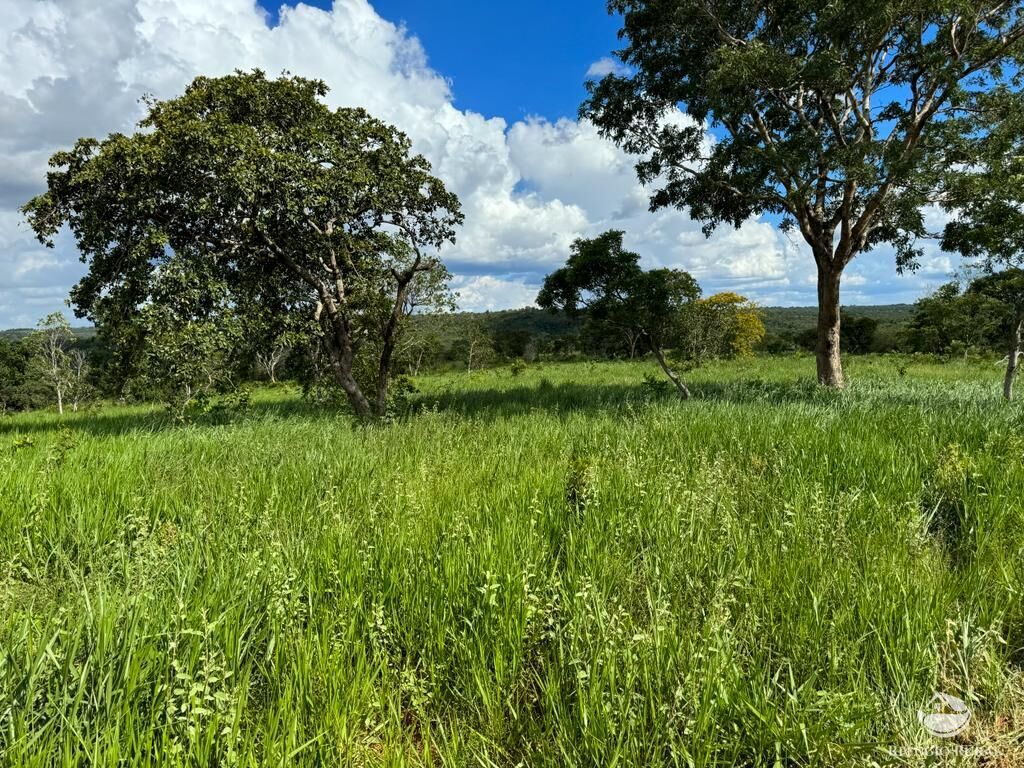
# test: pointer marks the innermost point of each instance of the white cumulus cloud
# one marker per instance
(606, 66)
(78, 68)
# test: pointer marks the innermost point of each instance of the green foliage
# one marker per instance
(836, 118)
(318, 216)
(1006, 288)
(605, 284)
(952, 321)
(559, 574)
(787, 323)
(55, 363)
(857, 333)
(474, 346)
(722, 325)
(948, 487)
(192, 331)
(18, 390)
(653, 386)
(984, 183)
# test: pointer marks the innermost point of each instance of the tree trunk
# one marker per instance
(827, 351)
(1011, 361)
(383, 383)
(631, 340)
(680, 387)
(60, 401)
(352, 391)
(342, 356)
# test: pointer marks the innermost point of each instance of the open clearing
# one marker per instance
(564, 567)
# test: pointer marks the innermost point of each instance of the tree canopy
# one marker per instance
(256, 187)
(1006, 288)
(984, 187)
(604, 280)
(821, 114)
(721, 325)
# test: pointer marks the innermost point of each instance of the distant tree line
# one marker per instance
(54, 366)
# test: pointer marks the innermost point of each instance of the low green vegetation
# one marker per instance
(557, 564)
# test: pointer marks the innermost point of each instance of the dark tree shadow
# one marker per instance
(562, 399)
(109, 421)
(866, 391)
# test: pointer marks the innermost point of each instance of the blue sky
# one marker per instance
(488, 92)
(507, 59)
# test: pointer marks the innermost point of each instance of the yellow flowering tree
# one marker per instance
(723, 325)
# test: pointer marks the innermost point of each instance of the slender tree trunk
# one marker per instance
(1012, 360)
(355, 395)
(672, 376)
(390, 340)
(827, 351)
(383, 383)
(342, 356)
(60, 401)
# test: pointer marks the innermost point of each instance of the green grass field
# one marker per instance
(566, 567)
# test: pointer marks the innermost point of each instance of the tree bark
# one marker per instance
(827, 351)
(672, 376)
(1012, 359)
(631, 341)
(342, 355)
(389, 334)
(355, 395)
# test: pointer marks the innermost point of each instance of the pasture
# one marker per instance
(568, 566)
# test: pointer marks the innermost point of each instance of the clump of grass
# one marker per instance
(578, 485)
(948, 485)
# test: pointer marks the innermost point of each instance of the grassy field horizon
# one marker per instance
(568, 566)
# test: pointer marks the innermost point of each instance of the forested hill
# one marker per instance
(17, 334)
(780, 322)
(784, 322)
(790, 321)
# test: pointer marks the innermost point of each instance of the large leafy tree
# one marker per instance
(984, 192)
(823, 114)
(1007, 288)
(983, 189)
(949, 320)
(258, 186)
(605, 282)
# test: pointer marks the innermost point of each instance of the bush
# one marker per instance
(947, 486)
